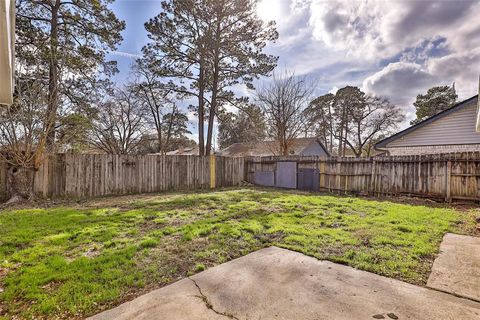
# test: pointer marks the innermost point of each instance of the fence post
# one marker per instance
(46, 175)
(448, 175)
(373, 176)
(246, 169)
(346, 165)
(321, 174)
(3, 180)
(212, 171)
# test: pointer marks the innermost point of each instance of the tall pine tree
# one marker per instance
(64, 44)
(206, 47)
(434, 101)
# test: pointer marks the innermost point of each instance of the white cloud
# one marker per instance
(463, 68)
(348, 26)
(371, 30)
(403, 81)
(399, 81)
(125, 54)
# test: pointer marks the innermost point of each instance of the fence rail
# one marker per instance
(446, 176)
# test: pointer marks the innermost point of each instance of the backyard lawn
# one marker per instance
(73, 261)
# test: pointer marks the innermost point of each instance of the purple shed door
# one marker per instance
(264, 178)
(308, 179)
(286, 175)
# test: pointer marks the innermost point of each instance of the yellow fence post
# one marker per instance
(321, 166)
(212, 171)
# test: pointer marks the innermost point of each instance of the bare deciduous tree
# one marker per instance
(119, 124)
(159, 103)
(156, 99)
(283, 103)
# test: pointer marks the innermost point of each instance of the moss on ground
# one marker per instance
(68, 262)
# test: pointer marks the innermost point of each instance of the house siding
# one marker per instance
(423, 150)
(457, 128)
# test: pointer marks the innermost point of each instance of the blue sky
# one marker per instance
(135, 13)
(395, 49)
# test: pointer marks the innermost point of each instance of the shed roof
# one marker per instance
(184, 151)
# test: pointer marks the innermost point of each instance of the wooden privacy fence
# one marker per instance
(69, 175)
(445, 176)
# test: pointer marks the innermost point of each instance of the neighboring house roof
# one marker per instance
(184, 151)
(457, 107)
(7, 50)
(270, 148)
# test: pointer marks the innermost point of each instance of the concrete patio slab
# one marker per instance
(457, 267)
(275, 283)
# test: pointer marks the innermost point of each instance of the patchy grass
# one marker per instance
(68, 262)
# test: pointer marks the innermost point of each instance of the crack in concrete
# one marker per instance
(208, 304)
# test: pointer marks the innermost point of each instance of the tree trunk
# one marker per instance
(155, 112)
(211, 119)
(20, 184)
(159, 137)
(158, 126)
(330, 118)
(52, 79)
(340, 140)
(284, 150)
(201, 105)
(169, 131)
(213, 106)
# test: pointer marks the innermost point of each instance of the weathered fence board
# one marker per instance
(3, 181)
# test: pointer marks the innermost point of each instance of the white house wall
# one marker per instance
(7, 35)
(456, 128)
